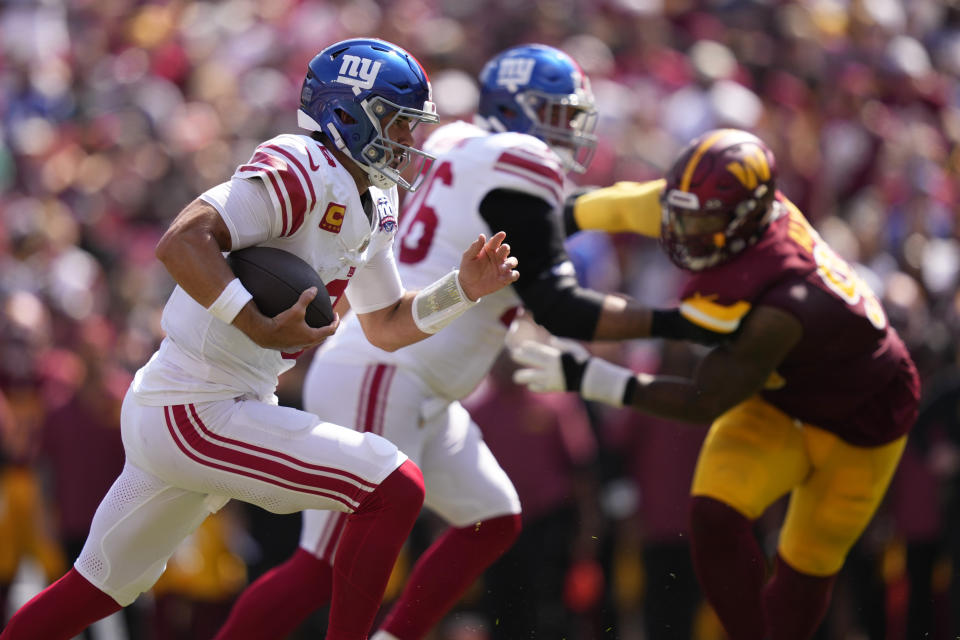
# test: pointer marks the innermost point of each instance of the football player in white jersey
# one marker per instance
(536, 119)
(200, 422)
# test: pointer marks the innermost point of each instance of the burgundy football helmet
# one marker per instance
(718, 198)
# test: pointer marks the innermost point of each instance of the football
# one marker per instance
(276, 278)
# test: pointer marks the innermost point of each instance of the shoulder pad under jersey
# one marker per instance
(524, 163)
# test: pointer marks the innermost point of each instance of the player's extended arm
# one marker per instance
(549, 286)
(728, 375)
(623, 207)
(191, 251)
(486, 267)
(630, 207)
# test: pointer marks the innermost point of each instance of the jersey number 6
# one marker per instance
(417, 235)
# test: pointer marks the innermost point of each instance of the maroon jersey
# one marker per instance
(850, 373)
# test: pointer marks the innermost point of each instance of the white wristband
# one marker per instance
(605, 382)
(438, 304)
(228, 304)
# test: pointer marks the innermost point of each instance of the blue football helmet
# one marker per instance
(351, 87)
(541, 91)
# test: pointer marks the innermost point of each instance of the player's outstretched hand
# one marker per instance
(544, 367)
(564, 365)
(487, 266)
(288, 330)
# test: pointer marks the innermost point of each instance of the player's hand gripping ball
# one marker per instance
(276, 278)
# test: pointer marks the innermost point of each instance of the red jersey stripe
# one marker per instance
(364, 397)
(335, 289)
(305, 178)
(292, 187)
(540, 156)
(368, 422)
(543, 184)
(281, 198)
(530, 164)
(299, 165)
(506, 318)
(382, 400)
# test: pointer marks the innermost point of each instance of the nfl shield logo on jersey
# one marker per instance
(388, 221)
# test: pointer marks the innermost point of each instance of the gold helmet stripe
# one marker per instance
(695, 158)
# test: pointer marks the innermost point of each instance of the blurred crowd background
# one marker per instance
(116, 113)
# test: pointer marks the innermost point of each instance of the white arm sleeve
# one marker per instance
(245, 207)
(376, 285)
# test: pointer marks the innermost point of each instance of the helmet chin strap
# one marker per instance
(377, 178)
(337, 139)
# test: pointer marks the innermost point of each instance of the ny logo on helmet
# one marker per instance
(753, 170)
(358, 72)
(514, 72)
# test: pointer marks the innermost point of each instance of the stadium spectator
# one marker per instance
(29, 386)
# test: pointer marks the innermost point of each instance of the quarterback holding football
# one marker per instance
(200, 422)
(505, 170)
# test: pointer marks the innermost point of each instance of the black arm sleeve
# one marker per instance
(570, 225)
(670, 324)
(547, 284)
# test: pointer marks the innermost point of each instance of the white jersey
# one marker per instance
(317, 215)
(441, 219)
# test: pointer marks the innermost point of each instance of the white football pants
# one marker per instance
(186, 461)
(464, 482)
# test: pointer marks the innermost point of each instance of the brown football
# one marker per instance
(276, 278)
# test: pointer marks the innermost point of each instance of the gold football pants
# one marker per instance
(755, 453)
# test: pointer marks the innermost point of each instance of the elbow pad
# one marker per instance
(563, 307)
